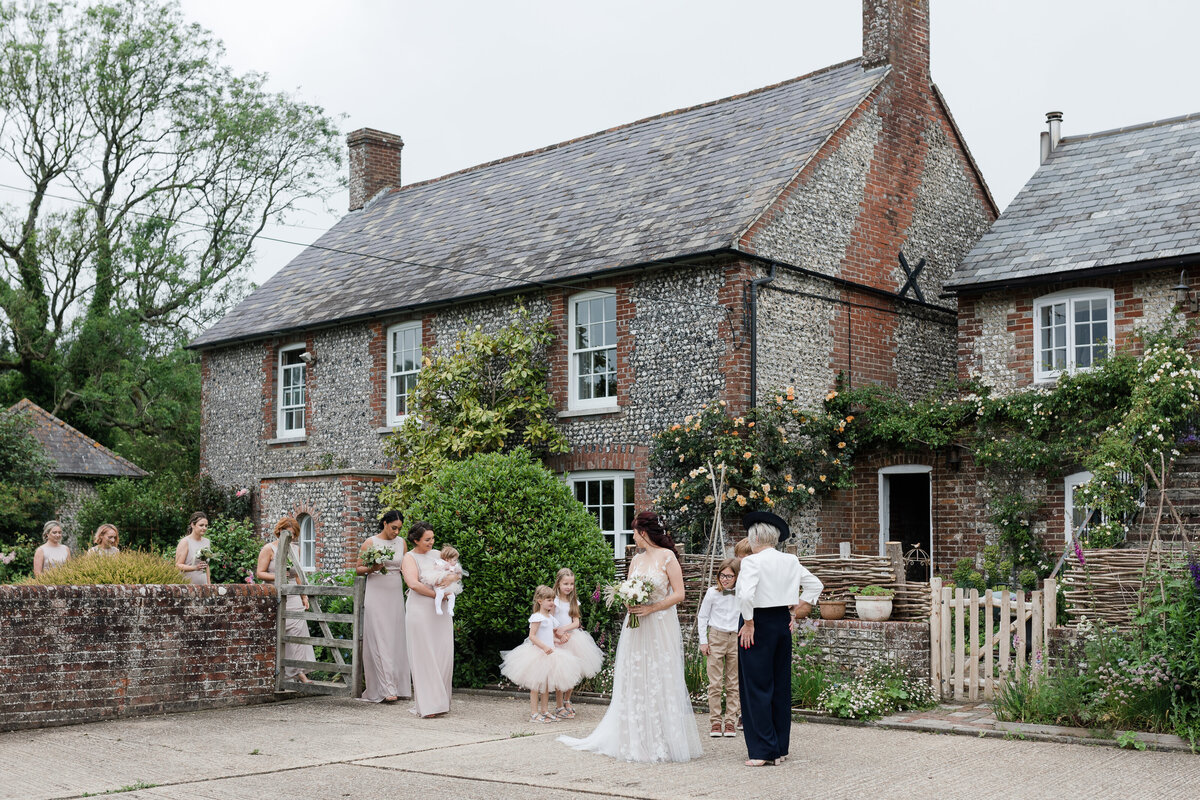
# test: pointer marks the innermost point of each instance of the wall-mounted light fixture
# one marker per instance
(308, 357)
(953, 457)
(1184, 296)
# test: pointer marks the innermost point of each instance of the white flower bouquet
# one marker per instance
(630, 592)
(204, 554)
(377, 556)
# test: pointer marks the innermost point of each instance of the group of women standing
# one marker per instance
(106, 541)
(408, 648)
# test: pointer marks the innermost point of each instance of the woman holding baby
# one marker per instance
(430, 634)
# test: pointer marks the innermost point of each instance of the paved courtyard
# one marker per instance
(333, 748)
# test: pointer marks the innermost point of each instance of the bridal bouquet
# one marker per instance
(377, 556)
(629, 592)
(205, 554)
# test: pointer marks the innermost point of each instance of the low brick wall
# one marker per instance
(84, 653)
(849, 643)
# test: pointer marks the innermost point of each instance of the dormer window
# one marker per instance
(1072, 331)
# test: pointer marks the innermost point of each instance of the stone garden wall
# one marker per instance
(850, 643)
(86, 653)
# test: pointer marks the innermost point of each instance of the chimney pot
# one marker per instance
(374, 164)
(1054, 123)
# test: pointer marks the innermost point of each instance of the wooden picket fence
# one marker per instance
(978, 641)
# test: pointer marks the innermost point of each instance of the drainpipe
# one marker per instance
(754, 284)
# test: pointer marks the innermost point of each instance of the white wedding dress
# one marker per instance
(650, 717)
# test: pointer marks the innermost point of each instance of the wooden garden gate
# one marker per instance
(348, 678)
(978, 641)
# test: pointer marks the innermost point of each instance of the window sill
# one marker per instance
(386, 429)
(587, 412)
(288, 440)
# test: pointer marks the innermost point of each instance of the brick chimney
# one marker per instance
(374, 164)
(896, 32)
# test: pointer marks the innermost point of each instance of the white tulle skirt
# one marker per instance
(533, 668)
(583, 647)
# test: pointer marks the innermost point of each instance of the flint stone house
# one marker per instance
(80, 462)
(1088, 255)
(714, 252)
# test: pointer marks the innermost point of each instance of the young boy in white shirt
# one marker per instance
(718, 625)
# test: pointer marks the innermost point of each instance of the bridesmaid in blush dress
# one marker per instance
(430, 635)
(53, 552)
(194, 570)
(385, 651)
(295, 602)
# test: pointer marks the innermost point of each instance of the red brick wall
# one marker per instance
(735, 363)
(86, 653)
(621, 457)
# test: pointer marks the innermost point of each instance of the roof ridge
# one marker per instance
(585, 137)
(26, 404)
(1158, 123)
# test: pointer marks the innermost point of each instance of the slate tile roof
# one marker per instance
(73, 453)
(1111, 198)
(685, 182)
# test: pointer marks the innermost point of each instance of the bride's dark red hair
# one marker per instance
(649, 525)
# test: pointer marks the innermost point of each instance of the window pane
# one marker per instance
(581, 337)
(599, 361)
(607, 518)
(1060, 358)
(606, 492)
(610, 333)
(581, 313)
(581, 492)
(584, 387)
(1099, 332)
(1083, 357)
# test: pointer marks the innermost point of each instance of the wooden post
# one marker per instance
(947, 641)
(935, 635)
(989, 645)
(280, 570)
(1004, 633)
(895, 554)
(1050, 618)
(356, 634)
(960, 639)
(1019, 629)
(844, 549)
(1037, 634)
(973, 692)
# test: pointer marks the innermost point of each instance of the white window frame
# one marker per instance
(307, 543)
(1069, 298)
(885, 500)
(281, 412)
(574, 402)
(623, 498)
(394, 419)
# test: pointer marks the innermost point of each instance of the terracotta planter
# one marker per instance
(832, 609)
(873, 609)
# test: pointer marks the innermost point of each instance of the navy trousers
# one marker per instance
(765, 684)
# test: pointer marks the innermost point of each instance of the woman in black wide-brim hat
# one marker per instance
(773, 590)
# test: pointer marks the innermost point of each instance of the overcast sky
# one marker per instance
(468, 82)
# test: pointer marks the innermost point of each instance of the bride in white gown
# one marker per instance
(650, 717)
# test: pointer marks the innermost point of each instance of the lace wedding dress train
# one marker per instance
(650, 717)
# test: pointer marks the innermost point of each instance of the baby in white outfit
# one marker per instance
(446, 564)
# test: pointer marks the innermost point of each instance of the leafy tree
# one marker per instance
(28, 493)
(488, 395)
(515, 525)
(150, 169)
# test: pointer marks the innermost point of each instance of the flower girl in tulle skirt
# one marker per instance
(536, 664)
(570, 636)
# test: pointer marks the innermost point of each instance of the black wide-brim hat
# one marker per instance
(771, 519)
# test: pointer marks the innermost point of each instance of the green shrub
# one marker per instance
(1057, 698)
(514, 524)
(235, 548)
(126, 567)
(810, 677)
(877, 689)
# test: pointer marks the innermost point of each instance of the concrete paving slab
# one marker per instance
(335, 748)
